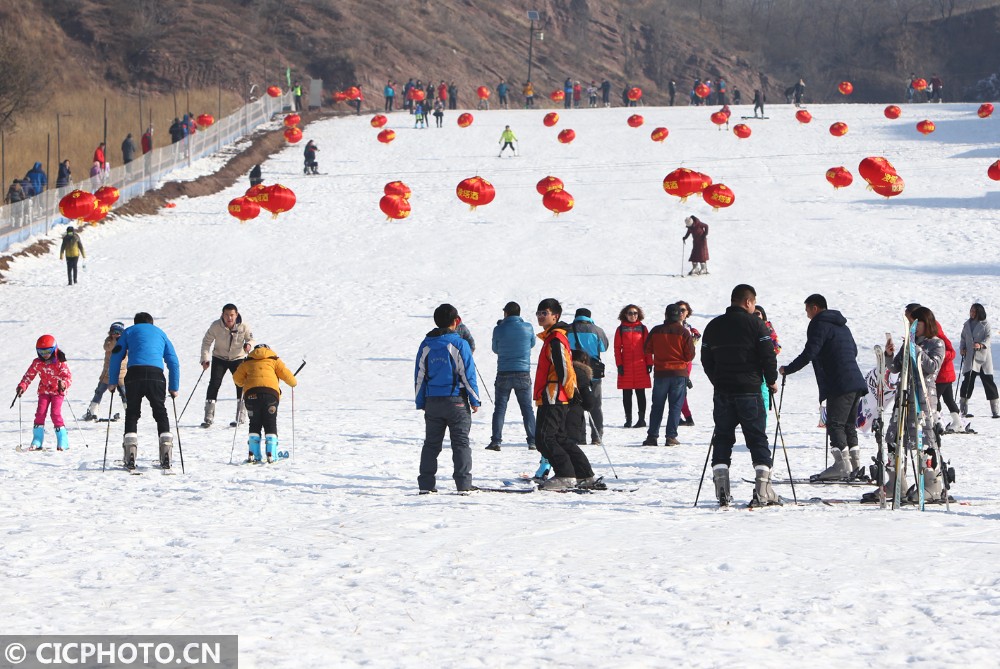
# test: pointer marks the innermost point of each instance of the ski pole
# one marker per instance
(779, 433)
(177, 428)
(73, 413)
(683, 247)
(701, 481)
(16, 396)
(20, 429)
(296, 373)
(485, 387)
(236, 431)
(600, 438)
(107, 433)
(292, 449)
(192, 394)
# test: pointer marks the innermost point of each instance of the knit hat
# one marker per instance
(673, 313)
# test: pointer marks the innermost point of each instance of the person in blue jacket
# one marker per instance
(584, 335)
(831, 349)
(147, 348)
(446, 389)
(513, 339)
(502, 90)
(39, 181)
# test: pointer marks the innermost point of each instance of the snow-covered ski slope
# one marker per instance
(331, 559)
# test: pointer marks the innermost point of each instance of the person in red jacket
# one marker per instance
(696, 337)
(633, 364)
(147, 140)
(672, 350)
(99, 156)
(945, 378)
(698, 232)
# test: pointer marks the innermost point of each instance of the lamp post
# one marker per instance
(532, 16)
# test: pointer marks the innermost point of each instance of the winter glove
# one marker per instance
(621, 371)
(689, 384)
(20, 391)
(649, 369)
(61, 385)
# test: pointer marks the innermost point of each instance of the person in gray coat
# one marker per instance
(977, 360)
(128, 149)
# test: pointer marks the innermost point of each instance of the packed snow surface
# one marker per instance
(331, 559)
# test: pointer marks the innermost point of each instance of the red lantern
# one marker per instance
(274, 91)
(634, 93)
(838, 129)
(417, 94)
(339, 96)
(919, 84)
(78, 205)
(394, 207)
(635, 120)
(718, 195)
(846, 88)
(892, 112)
(547, 184)
(566, 136)
(98, 214)
(993, 171)
(292, 120)
(277, 199)
(659, 134)
(107, 195)
(839, 177)
(741, 130)
(925, 127)
(720, 118)
(483, 93)
(876, 169)
(205, 120)
(985, 110)
(397, 188)
(557, 201)
(889, 189)
(387, 136)
(802, 116)
(464, 120)
(255, 192)
(475, 192)
(293, 135)
(550, 119)
(352, 93)
(557, 96)
(683, 182)
(702, 91)
(244, 208)
(379, 121)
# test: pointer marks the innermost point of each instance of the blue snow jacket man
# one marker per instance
(38, 179)
(444, 368)
(513, 339)
(831, 349)
(146, 346)
(584, 335)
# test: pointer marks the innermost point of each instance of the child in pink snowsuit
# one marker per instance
(54, 379)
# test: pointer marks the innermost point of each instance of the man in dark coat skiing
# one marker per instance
(831, 349)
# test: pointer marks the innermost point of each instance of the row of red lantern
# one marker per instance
(276, 199)
(683, 183)
(80, 205)
(351, 93)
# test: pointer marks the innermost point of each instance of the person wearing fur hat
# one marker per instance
(114, 333)
(258, 375)
(672, 348)
(54, 379)
(698, 232)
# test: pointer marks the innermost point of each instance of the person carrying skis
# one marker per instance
(54, 379)
(977, 360)
(831, 349)
(224, 346)
(507, 138)
(147, 348)
(311, 166)
(698, 232)
(72, 249)
(258, 376)
(446, 390)
(513, 340)
(114, 333)
(736, 352)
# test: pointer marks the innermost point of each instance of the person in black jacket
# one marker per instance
(831, 349)
(65, 174)
(736, 353)
(583, 399)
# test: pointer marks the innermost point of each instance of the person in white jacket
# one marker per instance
(224, 346)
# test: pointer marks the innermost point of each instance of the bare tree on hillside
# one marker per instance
(23, 80)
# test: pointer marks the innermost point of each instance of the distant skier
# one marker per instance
(606, 93)
(758, 102)
(507, 138)
(439, 113)
(72, 249)
(672, 91)
(698, 232)
(799, 92)
(54, 379)
(255, 177)
(114, 333)
(258, 375)
(311, 166)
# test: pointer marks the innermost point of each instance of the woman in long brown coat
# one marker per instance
(698, 232)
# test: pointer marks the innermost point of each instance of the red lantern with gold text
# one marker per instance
(718, 196)
(635, 120)
(475, 192)
(274, 91)
(557, 201)
(892, 112)
(394, 207)
(803, 116)
(98, 214)
(683, 182)
(719, 118)
(547, 184)
(78, 205)
(993, 171)
(919, 84)
(702, 91)
(550, 119)
(397, 188)
(205, 120)
(925, 127)
(557, 96)
(634, 93)
(255, 192)
(876, 169)
(352, 93)
(387, 136)
(845, 88)
(107, 195)
(566, 136)
(464, 120)
(379, 121)
(838, 129)
(278, 200)
(483, 93)
(292, 120)
(839, 177)
(293, 135)
(887, 189)
(741, 130)
(659, 134)
(244, 208)
(985, 110)
(339, 96)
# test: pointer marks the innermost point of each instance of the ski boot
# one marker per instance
(37, 438)
(839, 470)
(166, 449)
(858, 471)
(130, 446)
(720, 476)
(763, 493)
(543, 470)
(62, 439)
(254, 446)
(209, 413)
(91, 413)
(271, 447)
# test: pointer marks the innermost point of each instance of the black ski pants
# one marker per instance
(747, 411)
(969, 383)
(640, 398)
(71, 264)
(146, 382)
(262, 410)
(946, 394)
(567, 459)
(219, 369)
(842, 419)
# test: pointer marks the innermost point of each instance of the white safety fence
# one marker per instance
(37, 215)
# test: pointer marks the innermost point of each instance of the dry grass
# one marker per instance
(81, 127)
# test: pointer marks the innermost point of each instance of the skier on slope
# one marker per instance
(258, 376)
(114, 333)
(311, 166)
(698, 232)
(54, 379)
(224, 346)
(507, 138)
